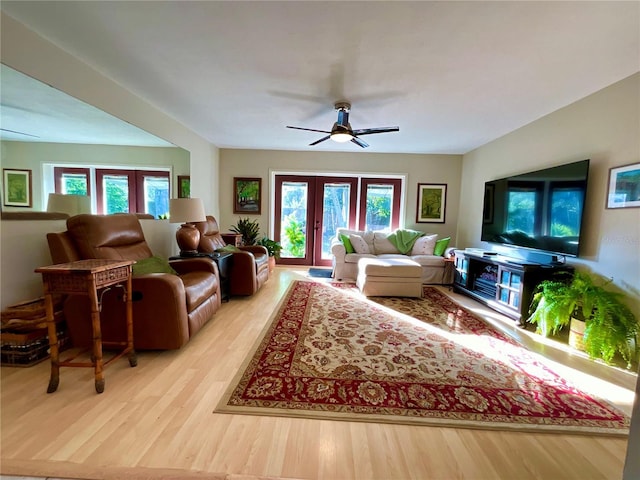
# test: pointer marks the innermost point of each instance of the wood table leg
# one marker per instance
(54, 379)
(97, 338)
(133, 358)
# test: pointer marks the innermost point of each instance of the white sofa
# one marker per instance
(435, 269)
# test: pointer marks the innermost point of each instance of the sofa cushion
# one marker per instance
(354, 257)
(428, 260)
(389, 267)
(424, 245)
(359, 245)
(381, 244)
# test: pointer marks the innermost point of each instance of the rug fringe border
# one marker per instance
(421, 421)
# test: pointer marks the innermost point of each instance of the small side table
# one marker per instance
(234, 239)
(223, 260)
(87, 277)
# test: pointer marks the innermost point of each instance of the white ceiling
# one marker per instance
(452, 75)
(31, 111)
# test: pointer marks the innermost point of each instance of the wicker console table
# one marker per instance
(87, 277)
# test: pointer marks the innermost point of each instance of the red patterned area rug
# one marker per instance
(330, 354)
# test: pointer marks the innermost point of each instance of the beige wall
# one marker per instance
(416, 168)
(604, 127)
(33, 155)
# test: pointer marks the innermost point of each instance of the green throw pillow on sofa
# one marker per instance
(153, 264)
(441, 246)
(347, 243)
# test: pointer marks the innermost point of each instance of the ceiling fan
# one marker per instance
(341, 131)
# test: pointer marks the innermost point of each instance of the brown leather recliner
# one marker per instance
(250, 266)
(167, 309)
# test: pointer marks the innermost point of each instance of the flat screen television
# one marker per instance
(541, 210)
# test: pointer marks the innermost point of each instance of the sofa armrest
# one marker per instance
(255, 249)
(196, 264)
(338, 251)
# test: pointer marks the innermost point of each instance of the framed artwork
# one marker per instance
(624, 186)
(432, 198)
(184, 186)
(489, 193)
(17, 187)
(246, 195)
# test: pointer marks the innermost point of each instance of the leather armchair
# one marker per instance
(250, 266)
(167, 309)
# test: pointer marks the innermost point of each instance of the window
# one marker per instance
(118, 191)
(132, 191)
(72, 181)
(380, 204)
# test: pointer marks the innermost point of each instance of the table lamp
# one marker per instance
(183, 210)
(69, 204)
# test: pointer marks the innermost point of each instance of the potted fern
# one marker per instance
(585, 304)
(249, 229)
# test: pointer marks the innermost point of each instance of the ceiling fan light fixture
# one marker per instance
(341, 137)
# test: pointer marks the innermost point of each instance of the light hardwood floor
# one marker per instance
(160, 416)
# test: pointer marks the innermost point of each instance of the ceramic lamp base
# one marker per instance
(188, 238)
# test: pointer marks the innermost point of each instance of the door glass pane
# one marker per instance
(74, 184)
(378, 214)
(116, 193)
(293, 219)
(335, 213)
(156, 195)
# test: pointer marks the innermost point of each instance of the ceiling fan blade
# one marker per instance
(321, 140)
(369, 131)
(360, 143)
(308, 129)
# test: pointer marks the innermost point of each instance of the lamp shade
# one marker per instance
(182, 210)
(69, 204)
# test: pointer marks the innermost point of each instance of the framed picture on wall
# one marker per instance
(16, 190)
(432, 198)
(184, 186)
(247, 195)
(624, 186)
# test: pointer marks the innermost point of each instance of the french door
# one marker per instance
(309, 210)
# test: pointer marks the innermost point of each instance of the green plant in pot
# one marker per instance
(609, 325)
(249, 229)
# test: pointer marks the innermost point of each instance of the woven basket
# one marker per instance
(30, 314)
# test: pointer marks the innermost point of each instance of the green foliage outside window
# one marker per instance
(378, 211)
(75, 185)
(294, 241)
(117, 198)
